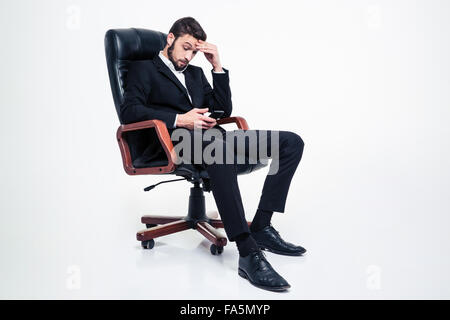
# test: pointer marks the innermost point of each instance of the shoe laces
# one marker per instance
(261, 256)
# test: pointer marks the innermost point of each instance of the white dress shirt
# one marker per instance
(179, 75)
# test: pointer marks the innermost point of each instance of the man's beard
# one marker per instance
(169, 53)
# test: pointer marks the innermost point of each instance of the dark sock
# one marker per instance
(261, 220)
(246, 244)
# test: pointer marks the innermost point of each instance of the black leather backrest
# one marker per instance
(123, 46)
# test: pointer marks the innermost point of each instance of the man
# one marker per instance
(168, 88)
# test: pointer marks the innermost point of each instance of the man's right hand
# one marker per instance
(195, 119)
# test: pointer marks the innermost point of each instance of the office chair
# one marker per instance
(123, 46)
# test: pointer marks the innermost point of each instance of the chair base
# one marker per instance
(168, 225)
(158, 226)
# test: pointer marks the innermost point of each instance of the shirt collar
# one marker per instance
(169, 63)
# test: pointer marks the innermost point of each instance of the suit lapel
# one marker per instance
(192, 87)
(169, 74)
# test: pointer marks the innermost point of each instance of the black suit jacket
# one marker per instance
(152, 91)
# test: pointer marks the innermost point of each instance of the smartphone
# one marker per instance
(217, 114)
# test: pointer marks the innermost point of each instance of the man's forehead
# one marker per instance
(187, 38)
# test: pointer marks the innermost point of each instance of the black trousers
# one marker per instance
(223, 175)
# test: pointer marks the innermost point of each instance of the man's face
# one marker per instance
(182, 51)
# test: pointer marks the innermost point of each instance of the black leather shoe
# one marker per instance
(256, 269)
(269, 239)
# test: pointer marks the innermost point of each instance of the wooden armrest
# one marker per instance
(164, 139)
(240, 122)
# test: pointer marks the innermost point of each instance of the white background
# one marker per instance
(364, 83)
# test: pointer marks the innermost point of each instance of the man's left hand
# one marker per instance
(211, 54)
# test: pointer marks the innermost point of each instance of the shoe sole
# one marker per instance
(281, 252)
(243, 274)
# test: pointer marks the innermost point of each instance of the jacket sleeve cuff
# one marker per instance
(222, 72)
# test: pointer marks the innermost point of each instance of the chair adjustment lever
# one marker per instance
(154, 185)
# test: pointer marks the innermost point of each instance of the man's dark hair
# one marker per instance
(190, 26)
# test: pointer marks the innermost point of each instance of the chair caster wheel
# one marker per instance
(148, 244)
(215, 249)
(150, 225)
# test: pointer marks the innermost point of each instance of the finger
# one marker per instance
(208, 119)
(211, 123)
(199, 124)
(204, 121)
(202, 110)
(203, 48)
(207, 127)
(208, 51)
